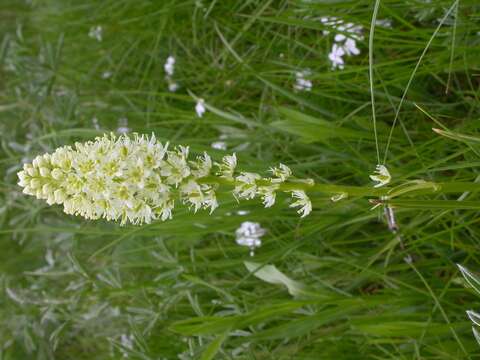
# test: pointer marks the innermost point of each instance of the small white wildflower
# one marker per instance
(106, 75)
(246, 185)
(169, 66)
(350, 47)
(243, 212)
(303, 202)
(227, 168)
(172, 86)
(381, 176)
(200, 107)
(335, 57)
(386, 23)
(302, 83)
(219, 145)
(96, 32)
(249, 234)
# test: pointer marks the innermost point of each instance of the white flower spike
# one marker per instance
(381, 176)
(135, 179)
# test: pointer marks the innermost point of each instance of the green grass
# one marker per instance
(181, 289)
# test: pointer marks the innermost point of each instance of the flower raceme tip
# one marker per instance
(381, 176)
(136, 179)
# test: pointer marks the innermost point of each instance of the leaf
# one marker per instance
(312, 129)
(434, 204)
(213, 325)
(214, 346)
(457, 136)
(270, 274)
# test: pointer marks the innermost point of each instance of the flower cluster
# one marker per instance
(345, 41)
(137, 179)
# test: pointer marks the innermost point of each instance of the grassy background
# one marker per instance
(180, 289)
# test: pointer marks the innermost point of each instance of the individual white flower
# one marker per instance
(302, 201)
(227, 168)
(350, 47)
(281, 173)
(175, 167)
(169, 66)
(200, 107)
(96, 32)
(249, 234)
(202, 166)
(302, 83)
(268, 194)
(381, 176)
(246, 185)
(335, 57)
(219, 145)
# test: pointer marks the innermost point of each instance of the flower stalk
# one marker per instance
(137, 180)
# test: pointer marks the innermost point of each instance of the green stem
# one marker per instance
(425, 188)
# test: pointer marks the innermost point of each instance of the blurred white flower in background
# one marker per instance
(386, 23)
(127, 343)
(249, 234)
(219, 145)
(96, 32)
(350, 47)
(336, 58)
(345, 40)
(169, 66)
(200, 107)
(123, 126)
(173, 86)
(302, 83)
(106, 75)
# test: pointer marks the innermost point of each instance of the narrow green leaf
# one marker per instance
(214, 346)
